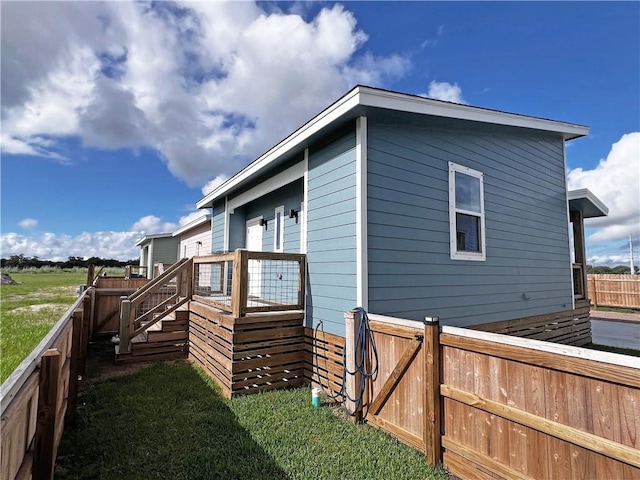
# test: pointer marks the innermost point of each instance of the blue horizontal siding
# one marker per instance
(217, 228)
(411, 275)
(331, 233)
(291, 197)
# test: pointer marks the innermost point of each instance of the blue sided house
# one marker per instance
(413, 207)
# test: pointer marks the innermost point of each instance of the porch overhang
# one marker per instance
(583, 200)
(191, 225)
(365, 101)
(148, 238)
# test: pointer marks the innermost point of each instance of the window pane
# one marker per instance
(467, 192)
(467, 233)
(278, 228)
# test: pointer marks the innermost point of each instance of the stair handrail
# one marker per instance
(159, 280)
(130, 325)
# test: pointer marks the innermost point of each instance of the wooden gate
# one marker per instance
(399, 392)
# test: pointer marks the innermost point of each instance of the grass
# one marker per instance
(606, 348)
(170, 421)
(28, 311)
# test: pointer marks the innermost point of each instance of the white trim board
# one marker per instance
(305, 201)
(270, 184)
(557, 348)
(362, 275)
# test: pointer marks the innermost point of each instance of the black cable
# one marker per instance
(364, 336)
(338, 397)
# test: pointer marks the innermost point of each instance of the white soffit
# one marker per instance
(585, 201)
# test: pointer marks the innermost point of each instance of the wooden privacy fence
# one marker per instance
(105, 302)
(494, 406)
(570, 327)
(40, 394)
(614, 290)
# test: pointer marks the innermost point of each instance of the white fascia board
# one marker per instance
(371, 97)
(585, 193)
(269, 185)
(193, 224)
(146, 238)
(326, 117)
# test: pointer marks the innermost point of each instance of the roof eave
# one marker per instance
(193, 224)
(376, 98)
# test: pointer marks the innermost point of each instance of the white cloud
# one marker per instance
(118, 245)
(615, 181)
(50, 246)
(211, 185)
(208, 85)
(28, 223)
(150, 224)
(445, 91)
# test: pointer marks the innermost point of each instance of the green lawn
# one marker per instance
(169, 421)
(28, 311)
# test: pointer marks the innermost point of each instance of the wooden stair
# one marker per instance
(165, 340)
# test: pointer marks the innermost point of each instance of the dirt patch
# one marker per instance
(101, 363)
(37, 308)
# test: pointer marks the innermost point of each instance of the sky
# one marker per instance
(118, 117)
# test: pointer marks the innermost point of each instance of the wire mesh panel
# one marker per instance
(214, 280)
(272, 282)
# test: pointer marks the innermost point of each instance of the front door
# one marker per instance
(254, 244)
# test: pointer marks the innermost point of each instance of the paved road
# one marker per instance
(615, 329)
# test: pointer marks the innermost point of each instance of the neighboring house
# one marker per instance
(195, 237)
(157, 249)
(414, 207)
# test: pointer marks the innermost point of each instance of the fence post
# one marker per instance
(85, 332)
(90, 272)
(432, 410)
(125, 311)
(74, 365)
(353, 356)
(595, 292)
(239, 285)
(44, 448)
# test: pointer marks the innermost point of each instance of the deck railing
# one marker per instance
(243, 282)
(153, 302)
(135, 271)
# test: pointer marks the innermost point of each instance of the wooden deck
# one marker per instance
(258, 351)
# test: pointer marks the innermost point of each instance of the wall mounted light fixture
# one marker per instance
(263, 223)
(293, 214)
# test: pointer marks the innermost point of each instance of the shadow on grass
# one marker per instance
(166, 421)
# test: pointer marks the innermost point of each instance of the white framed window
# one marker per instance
(466, 213)
(278, 229)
